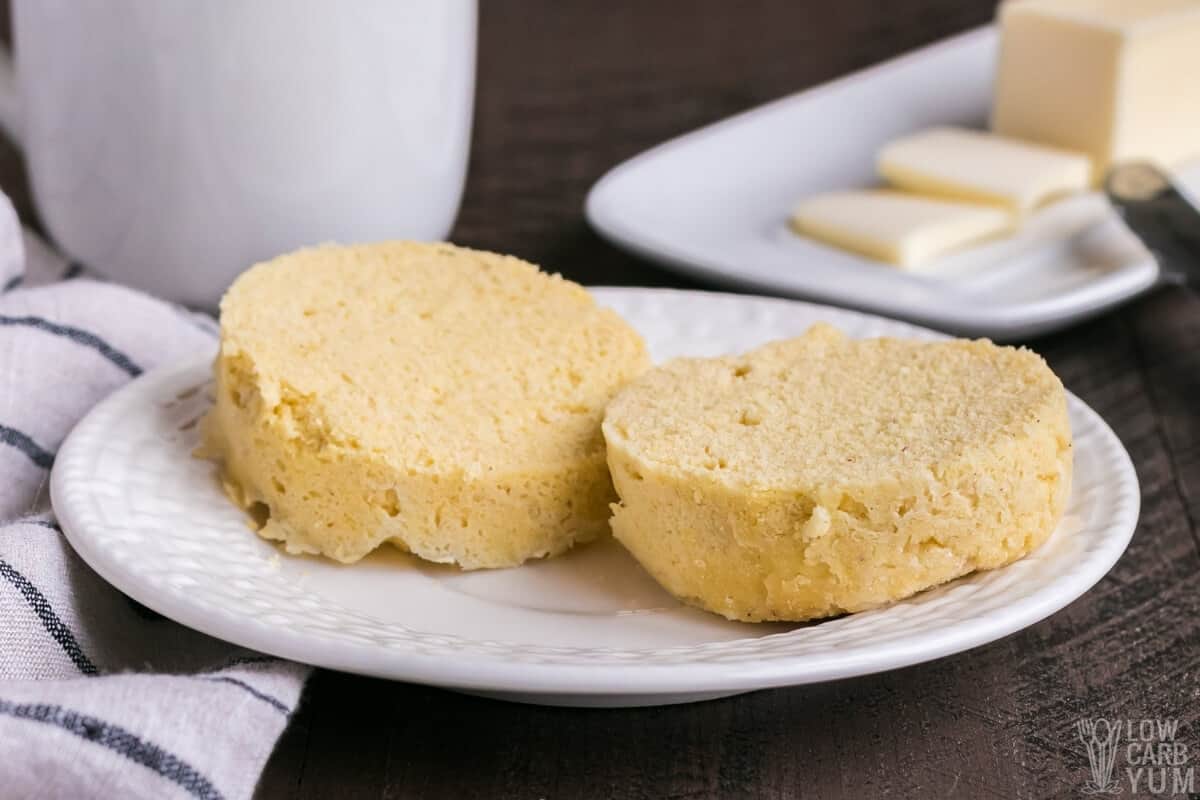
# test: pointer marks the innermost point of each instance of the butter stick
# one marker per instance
(1116, 79)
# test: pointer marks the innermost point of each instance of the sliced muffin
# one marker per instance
(442, 399)
(822, 475)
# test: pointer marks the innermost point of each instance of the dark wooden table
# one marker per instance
(567, 90)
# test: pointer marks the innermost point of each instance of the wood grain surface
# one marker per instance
(567, 89)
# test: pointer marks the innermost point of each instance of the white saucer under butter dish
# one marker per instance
(715, 204)
(590, 628)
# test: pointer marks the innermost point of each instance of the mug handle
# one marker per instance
(10, 99)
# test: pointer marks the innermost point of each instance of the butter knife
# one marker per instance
(1161, 216)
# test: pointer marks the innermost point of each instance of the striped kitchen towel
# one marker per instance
(99, 696)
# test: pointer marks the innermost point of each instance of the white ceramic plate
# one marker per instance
(714, 204)
(589, 628)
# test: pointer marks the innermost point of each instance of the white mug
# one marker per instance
(171, 145)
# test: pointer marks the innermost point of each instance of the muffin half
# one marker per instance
(442, 399)
(822, 475)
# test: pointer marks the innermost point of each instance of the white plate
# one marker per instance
(589, 628)
(714, 204)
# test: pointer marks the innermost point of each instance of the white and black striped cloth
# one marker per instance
(99, 696)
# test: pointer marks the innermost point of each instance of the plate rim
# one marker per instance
(607, 679)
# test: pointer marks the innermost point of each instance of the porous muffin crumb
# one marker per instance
(442, 399)
(822, 475)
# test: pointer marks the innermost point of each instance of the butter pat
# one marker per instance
(1115, 79)
(895, 227)
(984, 168)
